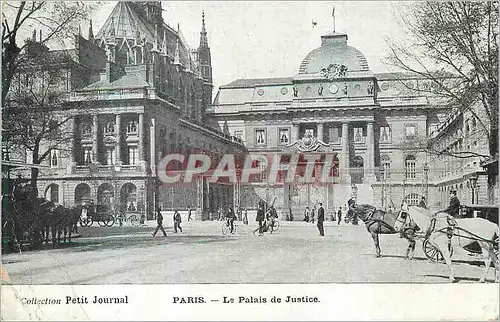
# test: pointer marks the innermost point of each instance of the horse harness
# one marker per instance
(370, 222)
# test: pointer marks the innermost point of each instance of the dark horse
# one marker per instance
(380, 222)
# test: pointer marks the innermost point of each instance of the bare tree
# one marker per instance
(36, 114)
(58, 20)
(455, 46)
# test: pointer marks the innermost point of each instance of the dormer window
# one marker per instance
(132, 127)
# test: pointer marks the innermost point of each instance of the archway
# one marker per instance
(128, 197)
(82, 193)
(105, 197)
(52, 193)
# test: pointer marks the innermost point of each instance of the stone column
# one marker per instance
(118, 139)
(344, 160)
(141, 137)
(295, 132)
(95, 146)
(370, 153)
(152, 145)
(320, 131)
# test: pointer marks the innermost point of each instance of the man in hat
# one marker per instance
(321, 218)
(454, 207)
(159, 221)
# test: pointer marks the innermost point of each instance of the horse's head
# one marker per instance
(402, 220)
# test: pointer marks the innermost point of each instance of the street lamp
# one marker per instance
(473, 185)
(426, 181)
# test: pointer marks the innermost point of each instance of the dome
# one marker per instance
(333, 50)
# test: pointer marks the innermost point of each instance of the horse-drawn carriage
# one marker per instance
(103, 214)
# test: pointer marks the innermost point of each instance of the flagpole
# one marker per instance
(333, 18)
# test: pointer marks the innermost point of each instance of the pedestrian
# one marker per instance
(313, 214)
(260, 218)
(321, 218)
(290, 214)
(159, 221)
(422, 203)
(306, 214)
(245, 216)
(177, 221)
(230, 217)
(189, 214)
(339, 214)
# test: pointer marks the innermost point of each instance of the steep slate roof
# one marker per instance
(126, 19)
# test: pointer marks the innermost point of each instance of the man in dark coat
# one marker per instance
(230, 217)
(177, 221)
(321, 218)
(339, 215)
(422, 203)
(260, 218)
(159, 221)
(454, 207)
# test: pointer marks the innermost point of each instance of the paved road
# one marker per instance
(295, 254)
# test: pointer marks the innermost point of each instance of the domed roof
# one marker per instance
(333, 50)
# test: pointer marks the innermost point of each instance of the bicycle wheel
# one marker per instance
(134, 220)
(225, 229)
(101, 223)
(110, 221)
(89, 222)
(276, 225)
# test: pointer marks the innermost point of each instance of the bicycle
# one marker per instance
(226, 227)
(134, 220)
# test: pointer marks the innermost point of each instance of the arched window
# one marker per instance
(410, 167)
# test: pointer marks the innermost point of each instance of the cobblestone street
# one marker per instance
(201, 254)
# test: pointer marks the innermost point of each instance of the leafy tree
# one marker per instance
(455, 46)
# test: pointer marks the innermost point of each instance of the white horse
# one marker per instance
(463, 234)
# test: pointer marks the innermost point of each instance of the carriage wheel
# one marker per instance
(432, 253)
(110, 221)
(225, 228)
(89, 222)
(134, 220)
(101, 223)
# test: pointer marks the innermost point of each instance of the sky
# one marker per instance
(270, 39)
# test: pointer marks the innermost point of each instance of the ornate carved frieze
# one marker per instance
(308, 144)
(334, 71)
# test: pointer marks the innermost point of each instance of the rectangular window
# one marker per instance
(385, 134)
(284, 136)
(260, 137)
(133, 155)
(334, 135)
(53, 158)
(87, 155)
(309, 132)
(385, 171)
(410, 131)
(110, 155)
(358, 135)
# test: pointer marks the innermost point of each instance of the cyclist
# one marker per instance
(230, 216)
(271, 216)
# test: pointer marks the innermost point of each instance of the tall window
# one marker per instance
(309, 132)
(284, 136)
(385, 167)
(385, 134)
(358, 134)
(410, 171)
(334, 134)
(412, 199)
(53, 158)
(410, 131)
(133, 155)
(132, 126)
(260, 137)
(87, 155)
(85, 129)
(110, 155)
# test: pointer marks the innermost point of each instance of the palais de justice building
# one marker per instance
(362, 116)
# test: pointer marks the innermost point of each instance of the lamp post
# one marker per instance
(473, 186)
(426, 181)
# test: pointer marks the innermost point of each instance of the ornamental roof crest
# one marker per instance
(334, 71)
